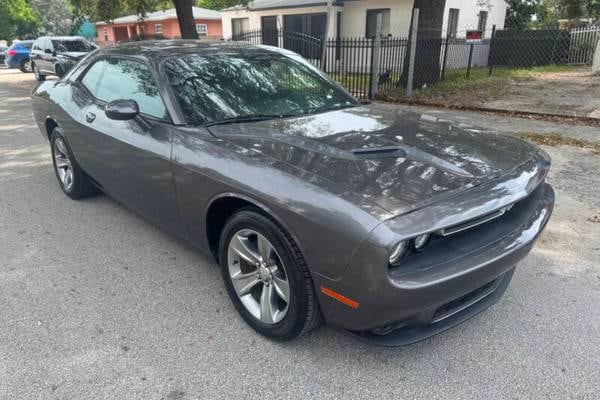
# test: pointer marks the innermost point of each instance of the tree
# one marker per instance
(107, 10)
(54, 15)
(429, 43)
(520, 13)
(221, 4)
(185, 17)
(17, 20)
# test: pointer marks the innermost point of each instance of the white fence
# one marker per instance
(583, 44)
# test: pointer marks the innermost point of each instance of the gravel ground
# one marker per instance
(97, 303)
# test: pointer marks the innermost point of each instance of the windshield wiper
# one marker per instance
(332, 108)
(247, 118)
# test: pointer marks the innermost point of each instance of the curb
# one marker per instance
(557, 118)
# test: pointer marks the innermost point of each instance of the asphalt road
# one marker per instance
(97, 303)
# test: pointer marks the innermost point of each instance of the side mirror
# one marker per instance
(47, 51)
(122, 110)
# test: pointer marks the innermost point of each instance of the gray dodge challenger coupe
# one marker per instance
(390, 225)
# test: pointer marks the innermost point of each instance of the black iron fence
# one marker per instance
(368, 66)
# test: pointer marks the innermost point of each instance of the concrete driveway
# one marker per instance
(97, 303)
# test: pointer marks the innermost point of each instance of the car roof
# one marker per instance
(64, 38)
(159, 49)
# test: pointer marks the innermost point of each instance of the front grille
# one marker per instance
(474, 222)
(463, 302)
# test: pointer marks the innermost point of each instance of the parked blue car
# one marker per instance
(17, 55)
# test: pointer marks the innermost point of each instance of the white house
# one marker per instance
(357, 18)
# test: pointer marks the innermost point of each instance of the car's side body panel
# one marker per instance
(327, 227)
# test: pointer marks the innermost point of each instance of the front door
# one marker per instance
(46, 63)
(269, 31)
(131, 161)
(121, 34)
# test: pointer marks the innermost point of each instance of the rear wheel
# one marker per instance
(36, 72)
(72, 180)
(266, 277)
(26, 66)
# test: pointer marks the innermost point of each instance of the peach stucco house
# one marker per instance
(158, 24)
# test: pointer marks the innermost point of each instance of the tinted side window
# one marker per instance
(93, 75)
(131, 80)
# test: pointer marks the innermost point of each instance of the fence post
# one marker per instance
(326, 36)
(413, 49)
(490, 59)
(375, 57)
(445, 57)
(470, 59)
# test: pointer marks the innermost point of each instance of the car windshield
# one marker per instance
(72, 45)
(232, 86)
(26, 45)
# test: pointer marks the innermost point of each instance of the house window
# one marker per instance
(239, 26)
(158, 29)
(372, 22)
(105, 34)
(453, 22)
(481, 25)
(202, 29)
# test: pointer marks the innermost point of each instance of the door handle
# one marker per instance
(90, 117)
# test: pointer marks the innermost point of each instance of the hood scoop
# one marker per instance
(373, 153)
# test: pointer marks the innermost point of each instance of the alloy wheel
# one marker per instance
(27, 66)
(258, 276)
(63, 165)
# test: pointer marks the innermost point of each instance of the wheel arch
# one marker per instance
(224, 205)
(50, 124)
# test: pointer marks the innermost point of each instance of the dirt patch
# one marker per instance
(573, 93)
(551, 91)
(557, 139)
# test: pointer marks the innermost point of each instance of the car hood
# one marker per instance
(74, 55)
(398, 160)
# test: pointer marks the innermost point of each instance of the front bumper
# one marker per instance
(449, 283)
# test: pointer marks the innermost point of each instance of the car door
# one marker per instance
(36, 52)
(130, 159)
(46, 63)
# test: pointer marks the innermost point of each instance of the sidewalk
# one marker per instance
(507, 124)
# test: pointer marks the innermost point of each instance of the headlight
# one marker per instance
(397, 252)
(421, 241)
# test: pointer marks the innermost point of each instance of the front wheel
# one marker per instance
(266, 277)
(59, 70)
(37, 74)
(73, 181)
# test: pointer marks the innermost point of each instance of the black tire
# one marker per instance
(82, 185)
(36, 72)
(59, 70)
(24, 64)
(303, 313)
